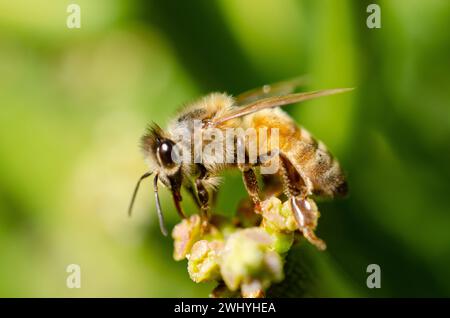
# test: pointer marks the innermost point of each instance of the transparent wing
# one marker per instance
(275, 89)
(275, 101)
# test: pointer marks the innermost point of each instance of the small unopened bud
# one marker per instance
(278, 216)
(247, 256)
(203, 262)
(185, 234)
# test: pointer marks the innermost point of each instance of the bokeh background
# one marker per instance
(74, 102)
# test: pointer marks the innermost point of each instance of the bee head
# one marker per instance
(161, 153)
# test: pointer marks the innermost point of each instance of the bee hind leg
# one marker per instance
(306, 215)
(304, 209)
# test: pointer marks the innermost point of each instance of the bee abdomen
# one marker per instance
(319, 166)
(310, 157)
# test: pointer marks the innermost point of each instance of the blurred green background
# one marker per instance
(74, 102)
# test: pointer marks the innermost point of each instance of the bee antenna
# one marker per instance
(136, 188)
(158, 207)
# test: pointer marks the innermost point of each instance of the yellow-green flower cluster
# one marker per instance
(243, 260)
(248, 258)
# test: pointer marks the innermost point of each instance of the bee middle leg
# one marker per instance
(248, 173)
(304, 209)
(251, 184)
(273, 185)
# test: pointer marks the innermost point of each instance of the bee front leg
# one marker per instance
(190, 189)
(304, 209)
(202, 194)
(203, 198)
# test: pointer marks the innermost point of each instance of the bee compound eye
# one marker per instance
(165, 151)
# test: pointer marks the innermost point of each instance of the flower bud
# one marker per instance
(185, 234)
(203, 262)
(278, 216)
(247, 256)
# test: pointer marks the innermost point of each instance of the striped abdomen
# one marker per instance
(311, 159)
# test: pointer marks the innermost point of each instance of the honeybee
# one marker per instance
(305, 167)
